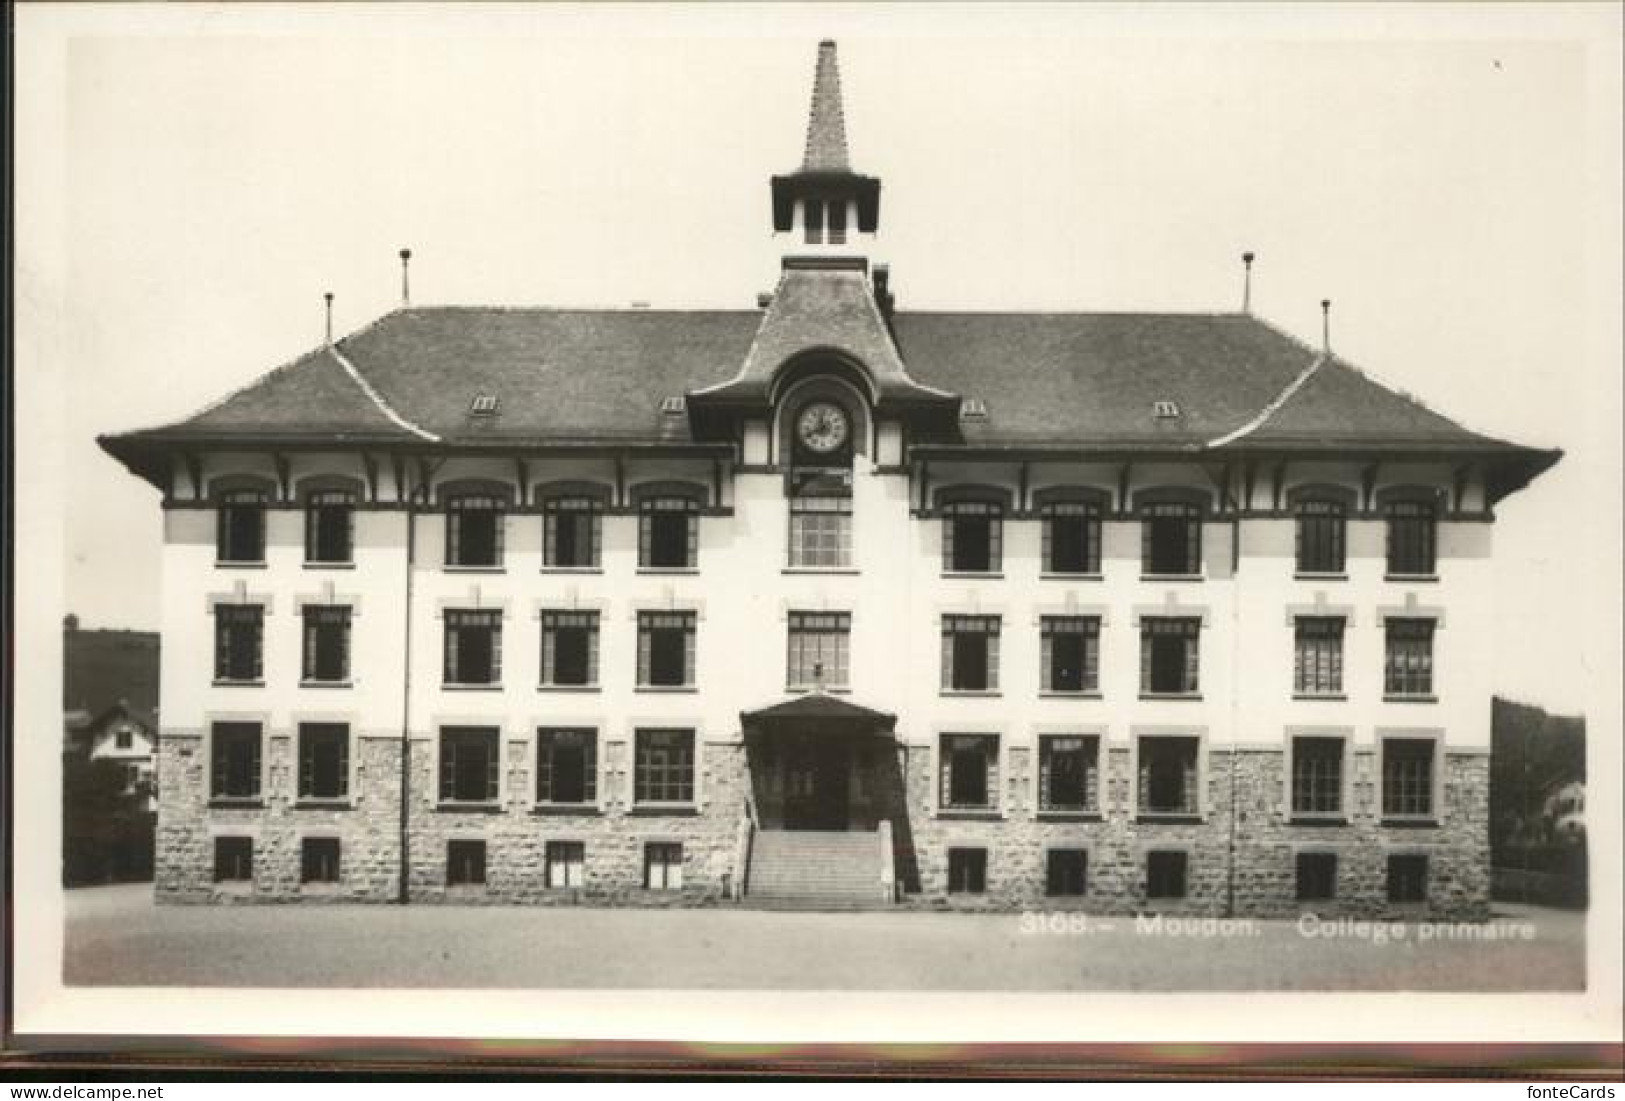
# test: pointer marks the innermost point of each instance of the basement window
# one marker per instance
(1066, 873)
(1407, 878)
(663, 866)
(1165, 874)
(319, 860)
(233, 859)
(967, 871)
(566, 863)
(465, 863)
(1317, 877)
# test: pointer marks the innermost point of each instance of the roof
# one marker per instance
(574, 377)
(826, 123)
(820, 707)
(818, 309)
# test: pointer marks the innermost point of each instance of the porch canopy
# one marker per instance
(817, 712)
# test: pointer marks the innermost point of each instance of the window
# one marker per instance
(1317, 656)
(1070, 658)
(473, 647)
(668, 533)
(1317, 776)
(666, 649)
(664, 771)
(238, 642)
(324, 761)
(329, 526)
(967, 871)
(234, 758)
(663, 866)
(1412, 527)
(1071, 537)
(1171, 539)
(1068, 773)
(814, 218)
(819, 648)
(970, 771)
(1066, 873)
(837, 222)
(566, 766)
(470, 764)
(566, 863)
(1321, 525)
(1407, 778)
(123, 740)
(1169, 656)
(1169, 775)
(233, 859)
(326, 658)
(1317, 877)
(820, 532)
(1407, 878)
(1408, 668)
(572, 532)
(1165, 873)
(465, 863)
(240, 530)
(319, 860)
(569, 649)
(474, 530)
(970, 653)
(972, 533)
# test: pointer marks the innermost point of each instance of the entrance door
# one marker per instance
(815, 784)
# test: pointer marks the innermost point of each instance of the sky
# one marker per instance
(1447, 176)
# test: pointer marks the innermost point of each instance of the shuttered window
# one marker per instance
(970, 653)
(1171, 539)
(569, 649)
(666, 649)
(470, 764)
(326, 650)
(474, 530)
(572, 532)
(1071, 537)
(1070, 653)
(239, 642)
(972, 537)
(1170, 650)
(473, 647)
(668, 533)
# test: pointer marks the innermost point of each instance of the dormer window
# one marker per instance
(1165, 410)
(483, 405)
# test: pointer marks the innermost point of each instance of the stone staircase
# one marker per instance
(814, 870)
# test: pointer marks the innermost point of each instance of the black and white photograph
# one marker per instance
(824, 523)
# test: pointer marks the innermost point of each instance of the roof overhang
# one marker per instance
(817, 711)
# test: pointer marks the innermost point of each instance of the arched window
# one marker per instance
(474, 522)
(972, 528)
(1171, 532)
(668, 525)
(572, 525)
(1072, 526)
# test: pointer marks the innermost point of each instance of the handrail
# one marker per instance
(888, 866)
(742, 840)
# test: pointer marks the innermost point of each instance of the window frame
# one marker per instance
(1193, 782)
(543, 768)
(649, 622)
(671, 872)
(1077, 852)
(1412, 662)
(222, 774)
(555, 620)
(1305, 810)
(817, 628)
(1185, 627)
(305, 763)
(447, 779)
(1425, 880)
(1180, 858)
(1299, 859)
(1319, 662)
(1329, 506)
(1088, 627)
(252, 616)
(1092, 781)
(1418, 505)
(1165, 503)
(469, 845)
(575, 499)
(339, 616)
(686, 499)
(454, 621)
(1090, 507)
(974, 861)
(950, 745)
(249, 495)
(314, 841)
(319, 503)
(246, 841)
(679, 777)
(473, 496)
(989, 628)
(805, 508)
(1391, 805)
(557, 852)
(965, 510)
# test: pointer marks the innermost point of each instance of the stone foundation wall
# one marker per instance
(1244, 813)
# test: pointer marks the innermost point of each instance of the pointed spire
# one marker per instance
(826, 125)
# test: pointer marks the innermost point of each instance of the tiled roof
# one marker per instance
(826, 124)
(822, 310)
(570, 377)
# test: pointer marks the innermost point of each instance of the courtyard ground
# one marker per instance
(118, 936)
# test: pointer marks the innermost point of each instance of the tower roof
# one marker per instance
(826, 124)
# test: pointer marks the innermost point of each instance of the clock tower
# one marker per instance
(825, 206)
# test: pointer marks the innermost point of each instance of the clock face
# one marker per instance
(822, 427)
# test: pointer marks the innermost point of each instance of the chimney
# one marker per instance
(883, 294)
(329, 297)
(406, 280)
(1326, 325)
(1247, 282)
